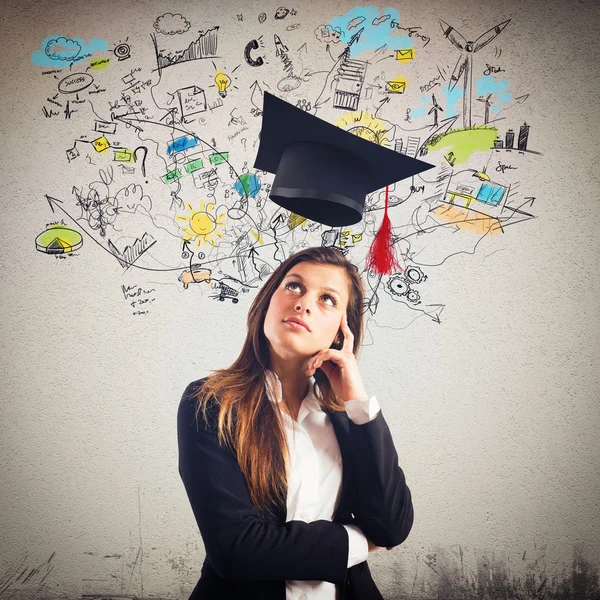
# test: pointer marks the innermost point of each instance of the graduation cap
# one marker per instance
(323, 172)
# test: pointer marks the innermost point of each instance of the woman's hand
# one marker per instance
(373, 547)
(341, 367)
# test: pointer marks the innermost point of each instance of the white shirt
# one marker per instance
(315, 480)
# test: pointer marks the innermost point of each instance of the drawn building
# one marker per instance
(351, 77)
(510, 138)
(413, 146)
(523, 135)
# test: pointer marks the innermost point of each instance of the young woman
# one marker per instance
(288, 464)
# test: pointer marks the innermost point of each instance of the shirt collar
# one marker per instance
(310, 403)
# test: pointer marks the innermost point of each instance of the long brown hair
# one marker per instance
(248, 422)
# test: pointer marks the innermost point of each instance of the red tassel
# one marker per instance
(381, 258)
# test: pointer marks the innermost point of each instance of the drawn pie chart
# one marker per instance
(58, 239)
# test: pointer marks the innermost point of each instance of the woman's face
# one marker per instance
(317, 294)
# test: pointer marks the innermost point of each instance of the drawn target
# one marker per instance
(122, 51)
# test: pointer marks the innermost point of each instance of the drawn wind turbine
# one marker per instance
(486, 118)
(465, 62)
(434, 109)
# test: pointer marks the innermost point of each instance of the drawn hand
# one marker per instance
(340, 367)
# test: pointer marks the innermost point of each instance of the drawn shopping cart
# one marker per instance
(226, 291)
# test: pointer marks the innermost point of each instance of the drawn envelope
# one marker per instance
(127, 170)
(395, 87)
(405, 55)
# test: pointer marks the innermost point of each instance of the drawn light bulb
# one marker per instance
(222, 82)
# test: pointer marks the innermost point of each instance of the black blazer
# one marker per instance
(251, 559)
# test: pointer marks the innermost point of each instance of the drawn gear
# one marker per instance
(414, 274)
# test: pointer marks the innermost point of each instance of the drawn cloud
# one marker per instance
(171, 24)
(380, 20)
(59, 51)
(61, 48)
(355, 22)
(367, 20)
(327, 34)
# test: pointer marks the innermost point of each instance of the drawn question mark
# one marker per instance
(244, 140)
(135, 155)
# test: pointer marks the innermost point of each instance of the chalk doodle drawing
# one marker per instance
(58, 51)
(161, 137)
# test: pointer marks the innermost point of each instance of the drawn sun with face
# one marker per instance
(202, 224)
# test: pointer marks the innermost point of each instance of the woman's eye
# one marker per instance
(295, 284)
(333, 300)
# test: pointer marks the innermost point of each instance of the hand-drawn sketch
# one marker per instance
(200, 201)
(464, 66)
(58, 51)
(171, 24)
(204, 46)
(58, 239)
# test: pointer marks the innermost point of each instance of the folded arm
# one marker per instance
(383, 501)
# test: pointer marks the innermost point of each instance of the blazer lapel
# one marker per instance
(339, 420)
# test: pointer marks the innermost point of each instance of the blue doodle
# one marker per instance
(486, 84)
(59, 52)
(424, 108)
(250, 182)
(378, 29)
(451, 100)
(448, 104)
(182, 143)
(490, 194)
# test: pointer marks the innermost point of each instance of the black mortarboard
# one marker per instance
(323, 172)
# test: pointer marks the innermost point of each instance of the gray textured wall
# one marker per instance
(488, 377)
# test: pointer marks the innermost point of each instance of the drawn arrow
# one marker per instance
(278, 220)
(327, 49)
(384, 101)
(255, 87)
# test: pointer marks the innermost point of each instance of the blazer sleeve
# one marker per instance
(238, 544)
(383, 501)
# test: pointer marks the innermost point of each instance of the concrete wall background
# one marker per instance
(494, 410)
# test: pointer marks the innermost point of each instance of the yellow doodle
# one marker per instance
(101, 145)
(405, 55)
(396, 85)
